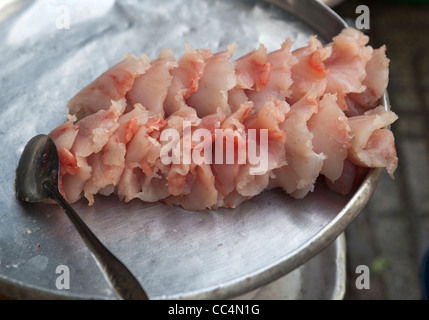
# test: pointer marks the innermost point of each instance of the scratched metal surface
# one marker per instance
(174, 253)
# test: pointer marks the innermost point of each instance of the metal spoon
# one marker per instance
(37, 180)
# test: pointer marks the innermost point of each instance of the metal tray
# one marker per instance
(175, 254)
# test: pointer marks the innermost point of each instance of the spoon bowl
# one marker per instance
(37, 181)
(38, 166)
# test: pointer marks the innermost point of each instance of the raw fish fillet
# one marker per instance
(206, 131)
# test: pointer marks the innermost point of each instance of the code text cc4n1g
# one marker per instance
(216, 309)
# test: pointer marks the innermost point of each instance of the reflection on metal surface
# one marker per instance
(9, 7)
(173, 253)
(331, 3)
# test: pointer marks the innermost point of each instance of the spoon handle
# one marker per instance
(123, 283)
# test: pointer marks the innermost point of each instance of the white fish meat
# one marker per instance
(206, 131)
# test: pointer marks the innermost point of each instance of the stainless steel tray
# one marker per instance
(175, 254)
